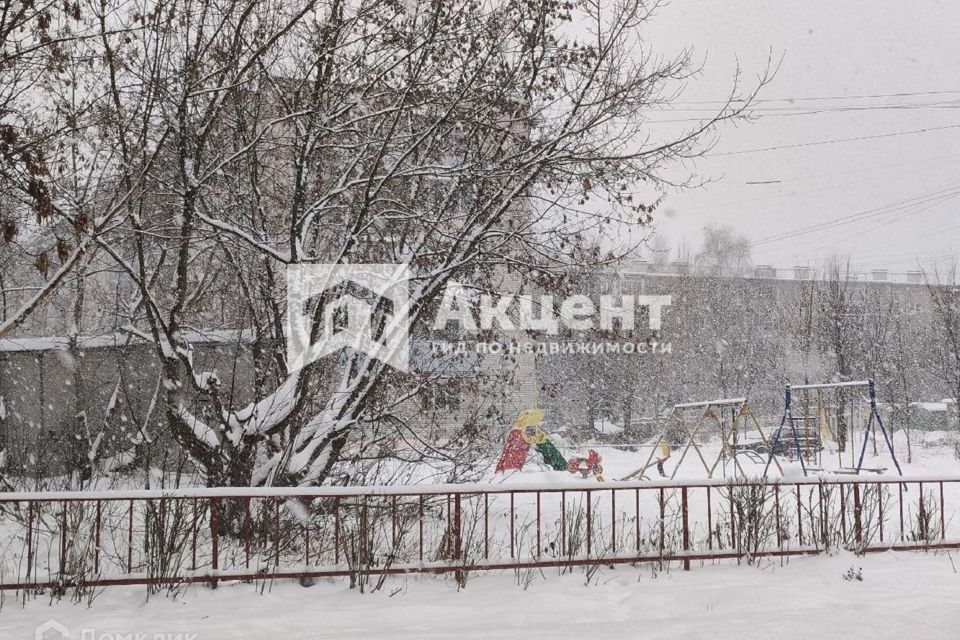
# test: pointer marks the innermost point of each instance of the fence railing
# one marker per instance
(75, 539)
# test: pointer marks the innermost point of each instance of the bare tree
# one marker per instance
(837, 314)
(944, 293)
(459, 139)
(724, 252)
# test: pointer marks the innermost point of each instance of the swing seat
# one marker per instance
(751, 455)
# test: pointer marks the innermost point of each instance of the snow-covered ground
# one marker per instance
(902, 595)
(899, 595)
(931, 453)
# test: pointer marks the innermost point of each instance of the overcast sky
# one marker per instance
(902, 183)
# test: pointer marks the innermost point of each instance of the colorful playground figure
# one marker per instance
(526, 431)
(588, 465)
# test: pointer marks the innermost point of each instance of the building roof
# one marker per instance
(118, 339)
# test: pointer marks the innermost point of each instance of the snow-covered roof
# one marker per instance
(770, 272)
(118, 339)
(933, 407)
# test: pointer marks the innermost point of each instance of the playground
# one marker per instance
(714, 482)
(716, 492)
(825, 430)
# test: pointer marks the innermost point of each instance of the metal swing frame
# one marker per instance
(874, 415)
(711, 410)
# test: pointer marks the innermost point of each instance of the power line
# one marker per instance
(914, 201)
(761, 113)
(953, 104)
(835, 141)
(925, 163)
(892, 218)
(815, 98)
(885, 211)
(884, 216)
(803, 192)
(878, 252)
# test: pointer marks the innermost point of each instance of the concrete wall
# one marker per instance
(39, 387)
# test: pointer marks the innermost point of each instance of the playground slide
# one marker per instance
(551, 455)
(526, 431)
(518, 443)
(514, 452)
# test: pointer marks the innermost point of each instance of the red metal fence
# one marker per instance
(64, 540)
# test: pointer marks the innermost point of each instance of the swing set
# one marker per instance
(733, 419)
(824, 418)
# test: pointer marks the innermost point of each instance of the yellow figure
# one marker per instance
(530, 417)
(533, 434)
(528, 423)
(664, 449)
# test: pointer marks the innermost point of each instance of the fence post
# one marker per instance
(336, 530)
(943, 523)
(900, 503)
(276, 533)
(193, 538)
(733, 521)
(824, 531)
(130, 537)
(458, 537)
(96, 544)
(29, 539)
(538, 525)
(799, 516)
(511, 524)
(613, 521)
(589, 523)
(364, 533)
(776, 502)
(214, 540)
(663, 521)
(857, 523)
(419, 525)
(922, 516)
(63, 540)
(881, 493)
(486, 526)
(686, 527)
(247, 531)
(709, 521)
(563, 524)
